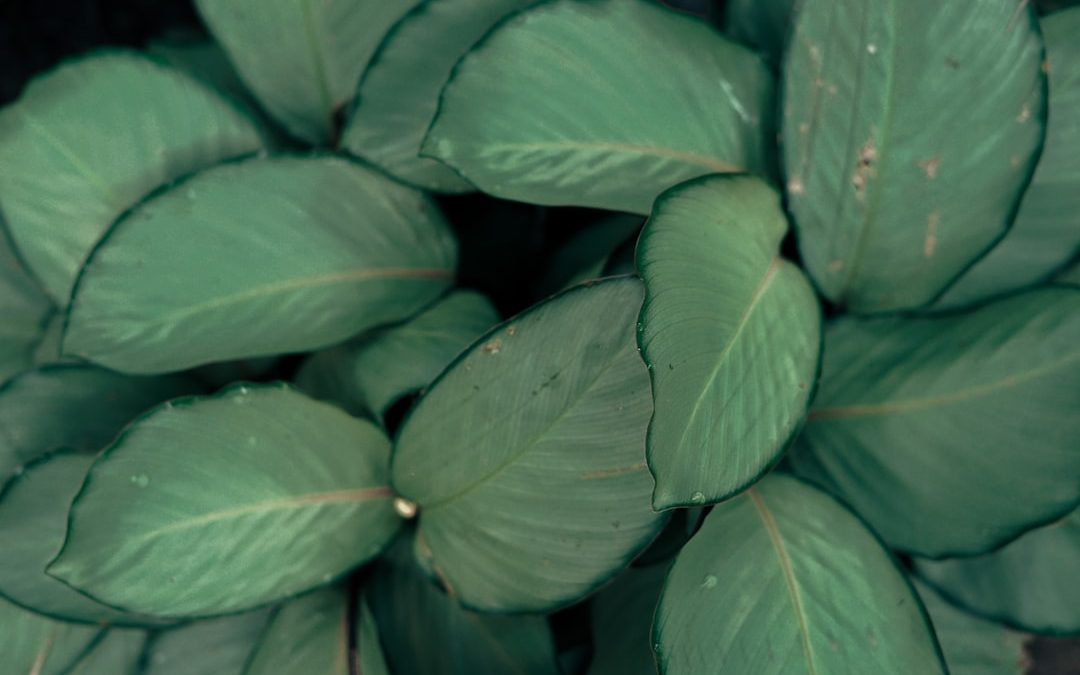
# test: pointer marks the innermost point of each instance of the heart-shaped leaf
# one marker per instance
(302, 59)
(399, 93)
(117, 653)
(513, 121)
(1046, 232)
(731, 383)
(215, 647)
(224, 503)
(293, 254)
(783, 580)
(26, 311)
(1029, 583)
(918, 422)
(527, 456)
(910, 130)
(367, 376)
(307, 635)
(35, 645)
(65, 177)
(622, 617)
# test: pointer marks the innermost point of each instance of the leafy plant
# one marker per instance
(818, 414)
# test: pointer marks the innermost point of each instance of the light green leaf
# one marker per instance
(302, 58)
(399, 93)
(622, 617)
(1046, 232)
(910, 130)
(307, 635)
(604, 104)
(292, 254)
(761, 24)
(731, 382)
(89, 139)
(367, 376)
(26, 311)
(426, 632)
(974, 646)
(220, 504)
(117, 653)
(527, 456)
(33, 524)
(587, 255)
(1030, 583)
(369, 652)
(73, 406)
(952, 435)
(31, 644)
(216, 647)
(784, 580)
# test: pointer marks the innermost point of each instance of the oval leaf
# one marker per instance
(527, 457)
(1030, 583)
(216, 647)
(173, 519)
(730, 384)
(513, 120)
(307, 635)
(31, 644)
(61, 186)
(302, 59)
(782, 579)
(910, 130)
(1046, 232)
(918, 421)
(118, 653)
(292, 254)
(369, 375)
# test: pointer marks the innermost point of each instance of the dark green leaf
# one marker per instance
(302, 59)
(527, 457)
(31, 644)
(1046, 232)
(118, 653)
(292, 254)
(622, 617)
(1030, 583)
(731, 333)
(216, 647)
(92, 137)
(910, 130)
(366, 377)
(952, 435)
(587, 255)
(604, 104)
(369, 652)
(1071, 275)
(761, 24)
(784, 580)
(307, 635)
(220, 504)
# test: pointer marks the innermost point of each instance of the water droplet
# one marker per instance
(871, 48)
(710, 581)
(698, 498)
(140, 480)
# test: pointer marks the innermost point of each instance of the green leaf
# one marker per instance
(73, 406)
(527, 456)
(974, 646)
(33, 524)
(307, 635)
(369, 652)
(173, 519)
(910, 130)
(587, 255)
(1029, 583)
(366, 377)
(92, 137)
(1046, 232)
(118, 653)
(399, 93)
(782, 579)
(731, 384)
(216, 647)
(622, 617)
(34, 645)
(761, 24)
(1071, 276)
(668, 99)
(26, 311)
(293, 254)
(918, 422)
(302, 59)
(426, 632)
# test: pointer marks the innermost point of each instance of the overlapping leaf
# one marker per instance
(26, 311)
(117, 653)
(254, 258)
(527, 457)
(731, 333)
(622, 617)
(588, 254)
(35, 645)
(952, 435)
(214, 647)
(220, 504)
(307, 635)
(604, 103)
(910, 130)
(761, 24)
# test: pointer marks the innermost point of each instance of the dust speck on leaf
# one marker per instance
(795, 187)
(493, 347)
(1025, 114)
(930, 167)
(865, 168)
(511, 331)
(836, 265)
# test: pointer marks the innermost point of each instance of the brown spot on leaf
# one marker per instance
(493, 347)
(930, 167)
(930, 241)
(836, 265)
(865, 168)
(952, 62)
(1015, 161)
(1025, 114)
(511, 331)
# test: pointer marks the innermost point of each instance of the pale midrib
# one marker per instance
(910, 405)
(628, 148)
(80, 166)
(316, 500)
(39, 659)
(306, 282)
(721, 360)
(317, 60)
(789, 576)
